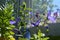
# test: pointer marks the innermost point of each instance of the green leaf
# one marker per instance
(12, 18)
(9, 28)
(12, 26)
(11, 32)
(6, 34)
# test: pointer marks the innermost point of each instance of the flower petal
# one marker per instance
(12, 22)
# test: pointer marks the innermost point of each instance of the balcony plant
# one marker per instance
(5, 26)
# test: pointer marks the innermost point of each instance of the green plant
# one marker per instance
(5, 17)
(24, 15)
(39, 36)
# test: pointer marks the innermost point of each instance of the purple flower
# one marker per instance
(33, 24)
(12, 22)
(30, 12)
(37, 23)
(17, 20)
(52, 19)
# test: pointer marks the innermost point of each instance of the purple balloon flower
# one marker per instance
(52, 19)
(37, 23)
(15, 22)
(12, 22)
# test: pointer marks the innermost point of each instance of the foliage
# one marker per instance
(23, 17)
(2, 3)
(22, 38)
(5, 17)
(40, 5)
(51, 5)
(43, 5)
(23, 14)
(39, 36)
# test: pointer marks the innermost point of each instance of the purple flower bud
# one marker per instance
(12, 22)
(37, 23)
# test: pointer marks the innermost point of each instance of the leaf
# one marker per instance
(6, 34)
(24, 4)
(6, 20)
(0, 21)
(12, 33)
(9, 28)
(12, 26)
(12, 38)
(22, 38)
(7, 23)
(31, 38)
(35, 35)
(46, 38)
(12, 18)
(28, 9)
